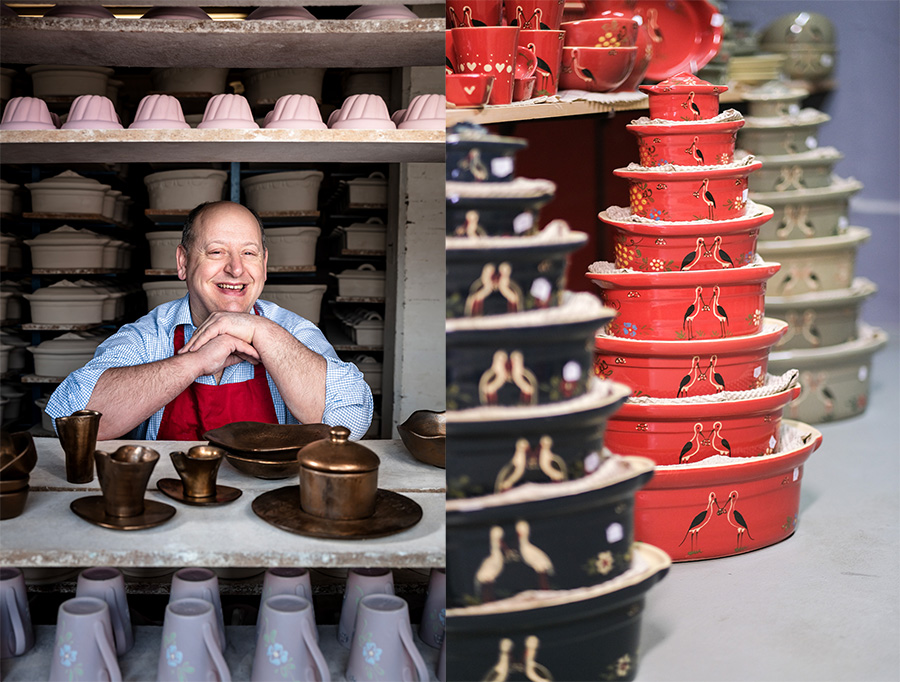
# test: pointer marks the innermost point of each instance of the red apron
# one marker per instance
(202, 407)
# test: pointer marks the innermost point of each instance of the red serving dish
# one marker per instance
(703, 143)
(607, 29)
(705, 510)
(684, 98)
(702, 304)
(678, 432)
(678, 369)
(713, 193)
(596, 69)
(662, 246)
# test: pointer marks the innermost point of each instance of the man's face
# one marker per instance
(225, 265)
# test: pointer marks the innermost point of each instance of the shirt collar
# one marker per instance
(183, 313)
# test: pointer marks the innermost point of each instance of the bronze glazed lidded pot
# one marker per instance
(338, 478)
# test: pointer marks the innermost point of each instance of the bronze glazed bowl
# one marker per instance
(424, 433)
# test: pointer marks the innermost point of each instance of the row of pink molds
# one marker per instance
(359, 112)
(195, 13)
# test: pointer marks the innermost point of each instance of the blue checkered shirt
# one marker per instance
(348, 399)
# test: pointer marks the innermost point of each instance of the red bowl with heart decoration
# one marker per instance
(684, 305)
(680, 431)
(607, 29)
(468, 89)
(662, 246)
(595, 69)
(683, 193)
(719, 508)
(703, 143)
(679, 369)
(683, 97)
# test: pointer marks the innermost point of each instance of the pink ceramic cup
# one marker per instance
(84, 648)
(548, 49)
(108, 584)
(287, 637)
(383, 637)
(16, 632)
(360, 583)
(431, 629)
(537, 15)
(489, 50)
(190, 648)
(471, 13)
(199, 583)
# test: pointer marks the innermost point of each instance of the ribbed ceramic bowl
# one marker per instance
(496, 449)
(703, 143)
(821, 318)
(685, 305)
(679, 431)
(835, 379)
(682, 193)
(817, 264)
(663, 246)
(786, 135)
(678, 369)
(603, 621)
(808, 170)
(531, 358)
(474, 155)
(719, 508)
(806, 213)
(495, 210)
(483, 533)
(497, 275)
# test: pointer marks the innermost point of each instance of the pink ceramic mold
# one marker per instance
(228, 111)
(398, 116)
(159, 111)
(363, 112)
(80, 12)
(26, 113)
(281, 14)
(332, 117)
(382, 12)
(92, 111)
(182, 13)
(297, 112)
(425, 112)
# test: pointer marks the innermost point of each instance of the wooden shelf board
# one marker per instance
(75, 217)
(359, 299)
(245, 44)
(37, 379)
(363, 252)
(503, 113)
(77, 271)
(46, 327)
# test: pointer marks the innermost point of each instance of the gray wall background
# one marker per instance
(864, 126)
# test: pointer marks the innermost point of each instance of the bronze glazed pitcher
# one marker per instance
(198, 468)
(124, 475)
(78, 437)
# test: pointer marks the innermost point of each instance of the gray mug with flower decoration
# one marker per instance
(286, 647)
(84, 647)
(383, 646)
(190, 648)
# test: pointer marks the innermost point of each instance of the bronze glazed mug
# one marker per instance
(124, 475)
(197, 468)
(78, 437)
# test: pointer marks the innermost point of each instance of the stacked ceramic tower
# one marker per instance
(544, 579)
(815, 291)
(691, 337)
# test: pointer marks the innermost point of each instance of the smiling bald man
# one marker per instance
(218, 355)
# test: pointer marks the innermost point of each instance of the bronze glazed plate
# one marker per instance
(393, 513)
(93, 509)
(172, 487)
(271, 442)
(260, 468)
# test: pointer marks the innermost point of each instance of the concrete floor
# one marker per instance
(823, 605)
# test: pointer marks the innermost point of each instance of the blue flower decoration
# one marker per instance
(655, 214)
(371, 653)
(173, 656)
(277, 654)
(67, 655)
(629, 329)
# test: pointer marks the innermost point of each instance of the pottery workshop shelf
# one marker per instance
(49, 533)
(140, 663)
(503, 113)
(245, 44)
(201, 146)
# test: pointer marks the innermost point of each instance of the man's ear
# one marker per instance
(181, 261)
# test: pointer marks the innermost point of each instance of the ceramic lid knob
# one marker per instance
(338, 454)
